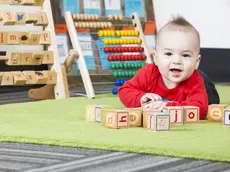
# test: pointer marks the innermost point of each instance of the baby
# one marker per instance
(174, 74)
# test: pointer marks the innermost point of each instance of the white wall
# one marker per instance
(210, 17)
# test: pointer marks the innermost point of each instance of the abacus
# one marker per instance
(119, 46)
(53, 81)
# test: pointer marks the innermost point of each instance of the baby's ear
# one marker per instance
(152, 53)
(198, 61)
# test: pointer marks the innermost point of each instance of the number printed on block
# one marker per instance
(191, 114)
(226, 120)
(176, 114)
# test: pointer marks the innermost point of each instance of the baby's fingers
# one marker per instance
(157, 97)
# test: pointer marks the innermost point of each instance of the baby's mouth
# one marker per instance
(175, 70)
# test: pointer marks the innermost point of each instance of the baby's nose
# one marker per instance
(177, 59)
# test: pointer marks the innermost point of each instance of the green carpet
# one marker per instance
(62, 122)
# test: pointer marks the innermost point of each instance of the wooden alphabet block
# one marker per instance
(48, 57)
(6, 2)
(41, 77)
(100, 112)
(31, 17)
(19, 78)
(52, 77)
(226, 117)
(13, 38)
(216, 112)
(38, 2)
(26, 58)
(158, 121)
(7, 78)
(24, 38)
(90, 113)
(191, 114)
(176, 114)
(3, 37)
(35, 38)
(30, 77)
(1, 75)
(147, 112)
(14, 2)
(42, 19)
(116, 118)
(21, 18)
(135, 117)
(8, 18)
(45, 38)
(14, 58)
(26, 2)
(37, 57)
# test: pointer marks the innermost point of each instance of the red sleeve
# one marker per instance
(196, 96)
(132, 91)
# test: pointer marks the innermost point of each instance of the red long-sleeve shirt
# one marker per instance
(148, 79)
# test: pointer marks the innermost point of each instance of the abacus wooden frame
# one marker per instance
(80, 60)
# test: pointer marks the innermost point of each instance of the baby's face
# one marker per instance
(177, 55)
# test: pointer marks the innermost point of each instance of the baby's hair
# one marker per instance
(180, 21)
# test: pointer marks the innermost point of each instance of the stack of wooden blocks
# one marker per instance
(155, 120)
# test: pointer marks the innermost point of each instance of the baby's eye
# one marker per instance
(186, 55)
(168, 54)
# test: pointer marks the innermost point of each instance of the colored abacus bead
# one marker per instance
(143, 57)
(132, 65)
(106, 49)
(100, 33)
(122, 82)
(117, 82)
(122, 74)
(110, 58)
(114, 91)
(119, 74)
(115, 74)
(139, 65)
(105, 41)
(134, 73)
(113, 66)
(118, 57)
(118, 33)
(126, 74)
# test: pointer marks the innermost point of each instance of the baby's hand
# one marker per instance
(154, 105)
(150, 97)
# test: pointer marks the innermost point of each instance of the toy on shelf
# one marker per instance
(54, 78)
(125, 50)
